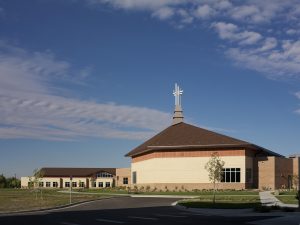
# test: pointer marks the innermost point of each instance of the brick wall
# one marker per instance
(190, 153)
(283, 169)
(266, 172)
(122, 173)
(273, 172)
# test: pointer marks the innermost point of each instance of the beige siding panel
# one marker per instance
(25, 180)
(181, 170)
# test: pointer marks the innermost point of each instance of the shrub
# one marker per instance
(148, 188)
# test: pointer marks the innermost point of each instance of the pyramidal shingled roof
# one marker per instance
(186, 136)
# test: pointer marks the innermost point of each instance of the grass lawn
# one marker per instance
(288, 193)
(18, 200)
(223, 202)
(288, 199)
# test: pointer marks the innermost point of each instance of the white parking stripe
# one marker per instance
(109, 221)
(192, 214)
(142, 218)
(67, 223)
(165, 215)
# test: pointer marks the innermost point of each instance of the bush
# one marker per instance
(148, 188)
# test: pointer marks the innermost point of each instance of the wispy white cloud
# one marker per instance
(247, 26)
(31, 108)
(163, 13)
(138, 4)
(244, 12)
(269, 43)
(297, 94)
(231, 32)
(204, 11)
(277, 64)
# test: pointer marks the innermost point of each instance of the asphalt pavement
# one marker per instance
(121, 210)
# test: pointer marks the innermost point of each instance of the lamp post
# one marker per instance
(71, 178)
(298, 158)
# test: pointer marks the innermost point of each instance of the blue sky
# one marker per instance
(82, 82)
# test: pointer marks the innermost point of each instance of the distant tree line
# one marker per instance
(9, 182)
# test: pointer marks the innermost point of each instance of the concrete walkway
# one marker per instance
(267, 199)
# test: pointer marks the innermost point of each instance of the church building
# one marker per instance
(175, 159)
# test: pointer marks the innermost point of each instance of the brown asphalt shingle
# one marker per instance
(183, 134)
(75, 172)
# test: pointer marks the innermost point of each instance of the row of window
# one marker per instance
(231, 175)
(74, 184)
(47, 184)
(104, 174)
(100, 184)
(67, 184)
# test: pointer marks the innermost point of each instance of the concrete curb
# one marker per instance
(164, 196)
(93, 193)
(248, 212)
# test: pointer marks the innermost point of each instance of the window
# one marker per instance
(41, 184)
(107, 184)
(30, 184)
(67, 184)
(74, 184)
(231, 175)
(248, 175)
(104, 174)
(81, 184)
(125, 180)
(55, 184)
(134, 177)
(100, 184)
(48, 184)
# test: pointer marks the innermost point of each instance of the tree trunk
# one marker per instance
(214, 198)
(298, 200)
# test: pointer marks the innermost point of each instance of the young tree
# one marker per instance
(37, 178)
(214, 167)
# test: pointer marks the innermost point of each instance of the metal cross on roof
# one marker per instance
(177, 93)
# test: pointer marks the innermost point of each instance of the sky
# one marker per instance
(83, 82)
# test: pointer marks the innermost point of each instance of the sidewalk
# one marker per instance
(267, 199)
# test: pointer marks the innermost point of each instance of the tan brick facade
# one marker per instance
(123, 174)
(276, 172)
(191, 153)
